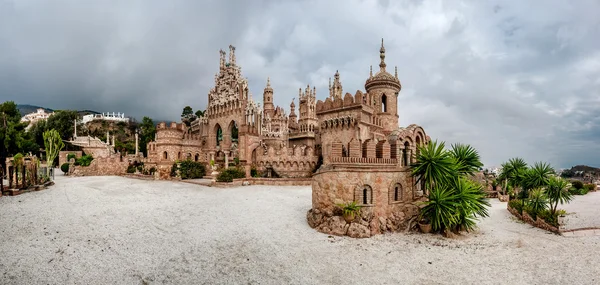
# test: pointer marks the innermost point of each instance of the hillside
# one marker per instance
(25, 109)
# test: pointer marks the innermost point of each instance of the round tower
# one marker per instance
(268, 107)
(384, 88)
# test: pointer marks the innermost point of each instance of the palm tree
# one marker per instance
(454, 201)
(467, 159)
(512, 172)
(434, 165)
(557, 191)
(536, 177)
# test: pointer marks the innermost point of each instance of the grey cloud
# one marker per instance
(512, 78)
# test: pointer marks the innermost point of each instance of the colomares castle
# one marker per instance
(350, 147)
(365, 154)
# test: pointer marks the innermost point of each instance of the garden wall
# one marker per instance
(539, 222)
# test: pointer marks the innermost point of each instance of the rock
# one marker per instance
(338, 225)
(382, 224)
(313, 218)
(358, 231)
(245, 183)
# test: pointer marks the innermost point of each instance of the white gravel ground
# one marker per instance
(583, 211)
(112, 230)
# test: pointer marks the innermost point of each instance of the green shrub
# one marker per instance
(577, 184)
(85, 160)
(64, 167)
(131, 168)
(229, 174)
(589, 187)
(517, 205)
(549, 217)
(71, 155)
(189, 169)
(174, 170)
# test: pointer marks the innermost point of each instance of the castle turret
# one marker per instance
(293, 119)
(384, 88)
(335, 90)
(268, 107)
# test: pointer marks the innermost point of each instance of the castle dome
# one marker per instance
(383, 79)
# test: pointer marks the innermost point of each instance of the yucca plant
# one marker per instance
(440, 209)
(472, 203)
(434, 165)
(467, 159)
(557, 191)
(537, 201)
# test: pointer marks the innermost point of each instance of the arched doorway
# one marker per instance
(218, 134)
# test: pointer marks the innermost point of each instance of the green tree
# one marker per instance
(147, 132)
(557, 191)
(13, 138)
(454, 201)
(63, 122)
(467, 159)
(53, 144)
(512, 173)
(434, 165)
(187, 116)
(200, 113)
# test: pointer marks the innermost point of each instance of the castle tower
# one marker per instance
(268, 108)
(384, 88)
(308, 105)
(335, 90)
(293, 119)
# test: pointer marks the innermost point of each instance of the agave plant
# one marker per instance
(512, 172)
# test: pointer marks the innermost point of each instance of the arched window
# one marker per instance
(196, 157)
(364, 195)
(405, 154)
(344, 151)
(165, 155)
(179, 155)
(219, 135)
(383, 103)
(396, 193)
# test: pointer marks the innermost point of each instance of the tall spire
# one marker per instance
(396, 71)
(268, 82)
(371, 71)
(231, 55)
(382, 56)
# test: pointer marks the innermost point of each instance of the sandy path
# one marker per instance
(583, 211)
(104, 230)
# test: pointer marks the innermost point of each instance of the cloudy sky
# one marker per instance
(511, 78)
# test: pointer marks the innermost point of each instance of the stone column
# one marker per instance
(226, 160)
(75, 129)
(113, 141)
(107, 137)
(136, 144)
(247, 168)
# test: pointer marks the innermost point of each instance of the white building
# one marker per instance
(116, 117)
(36, 116)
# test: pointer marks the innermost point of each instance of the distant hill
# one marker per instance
(25, 109)
(585, 168)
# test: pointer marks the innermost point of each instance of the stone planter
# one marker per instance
(425, 228)
(349, 218)
(561, 220)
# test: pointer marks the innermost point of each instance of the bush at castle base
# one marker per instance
(64, 167)
(231, 173)
(189, 169)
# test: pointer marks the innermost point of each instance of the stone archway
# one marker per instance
(218, 131)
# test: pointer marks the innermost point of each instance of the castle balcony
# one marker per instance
(363, 160)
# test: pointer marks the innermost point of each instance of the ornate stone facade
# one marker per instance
(366, 159)
(365, 154)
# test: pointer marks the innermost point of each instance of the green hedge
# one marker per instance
(231, 173)
(189, 169)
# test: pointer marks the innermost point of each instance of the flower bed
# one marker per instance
(538, 222)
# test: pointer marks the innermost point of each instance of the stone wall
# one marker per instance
(538, 222)
(62, 156)
(382, 212)
(102, 166)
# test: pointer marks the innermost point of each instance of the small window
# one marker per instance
(165, 155)
(364, 195)
(383, 103)
(396, 194)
